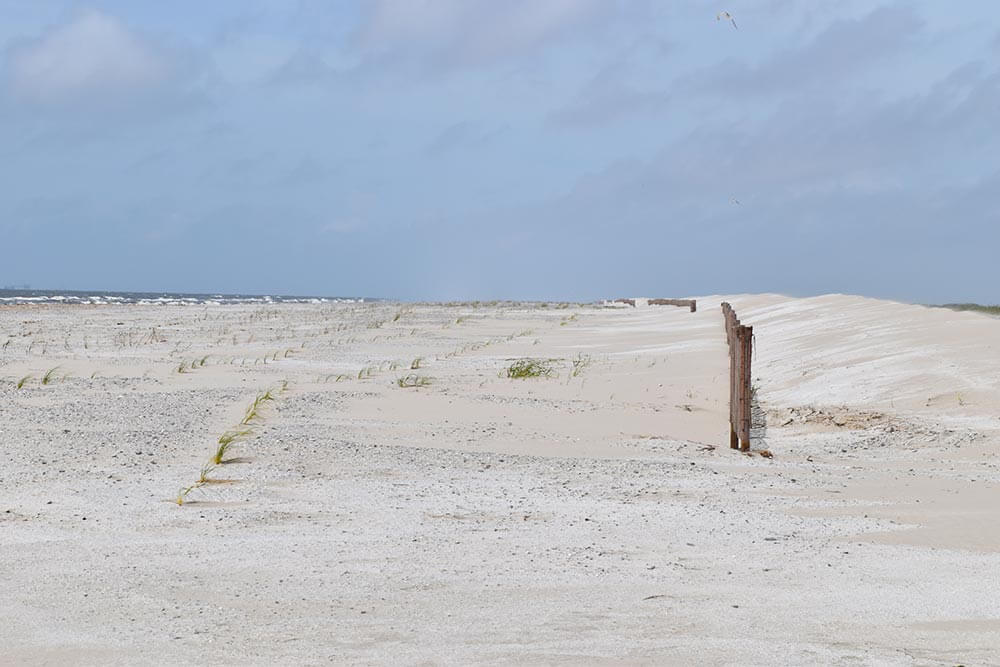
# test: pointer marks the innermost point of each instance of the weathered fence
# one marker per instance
(684, 303)
(740, 339)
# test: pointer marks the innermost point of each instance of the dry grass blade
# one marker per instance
(206, 470)
(49, 375)
(184, 492)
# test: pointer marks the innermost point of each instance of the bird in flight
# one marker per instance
(734, 200)
(728, 17)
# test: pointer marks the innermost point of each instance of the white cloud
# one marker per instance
(92, 54)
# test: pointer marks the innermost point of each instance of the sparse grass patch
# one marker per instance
(415, 364)
(530, 368)
(413, 380)
(566, 320)
(22, 381)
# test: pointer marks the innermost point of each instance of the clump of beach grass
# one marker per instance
(413, 380)
(415, 364)
(226, 440)
(530, 368)
(22, 381)
(254, 409)
(49, 376)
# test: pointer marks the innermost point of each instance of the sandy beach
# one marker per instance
(593, 516)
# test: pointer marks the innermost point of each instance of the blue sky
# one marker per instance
(446, 149)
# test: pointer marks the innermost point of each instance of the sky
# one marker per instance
(525, 149)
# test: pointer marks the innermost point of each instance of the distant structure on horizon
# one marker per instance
(16, 287)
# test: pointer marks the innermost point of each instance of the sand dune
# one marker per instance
(593, 516)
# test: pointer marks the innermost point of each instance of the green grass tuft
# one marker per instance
(226, 440)
(530, 368)
(20, 383)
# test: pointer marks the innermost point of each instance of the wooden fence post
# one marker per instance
(739, 338)
(746, 351)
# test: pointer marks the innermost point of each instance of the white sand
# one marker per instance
(572, 519)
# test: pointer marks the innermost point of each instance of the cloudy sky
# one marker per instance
(440, 149)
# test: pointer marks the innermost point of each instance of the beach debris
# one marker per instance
(766, 453)
(726, 16)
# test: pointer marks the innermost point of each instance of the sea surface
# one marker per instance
(32, 296)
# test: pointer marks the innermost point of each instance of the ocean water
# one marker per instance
(31, 296)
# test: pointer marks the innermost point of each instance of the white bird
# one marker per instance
(727, 16)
